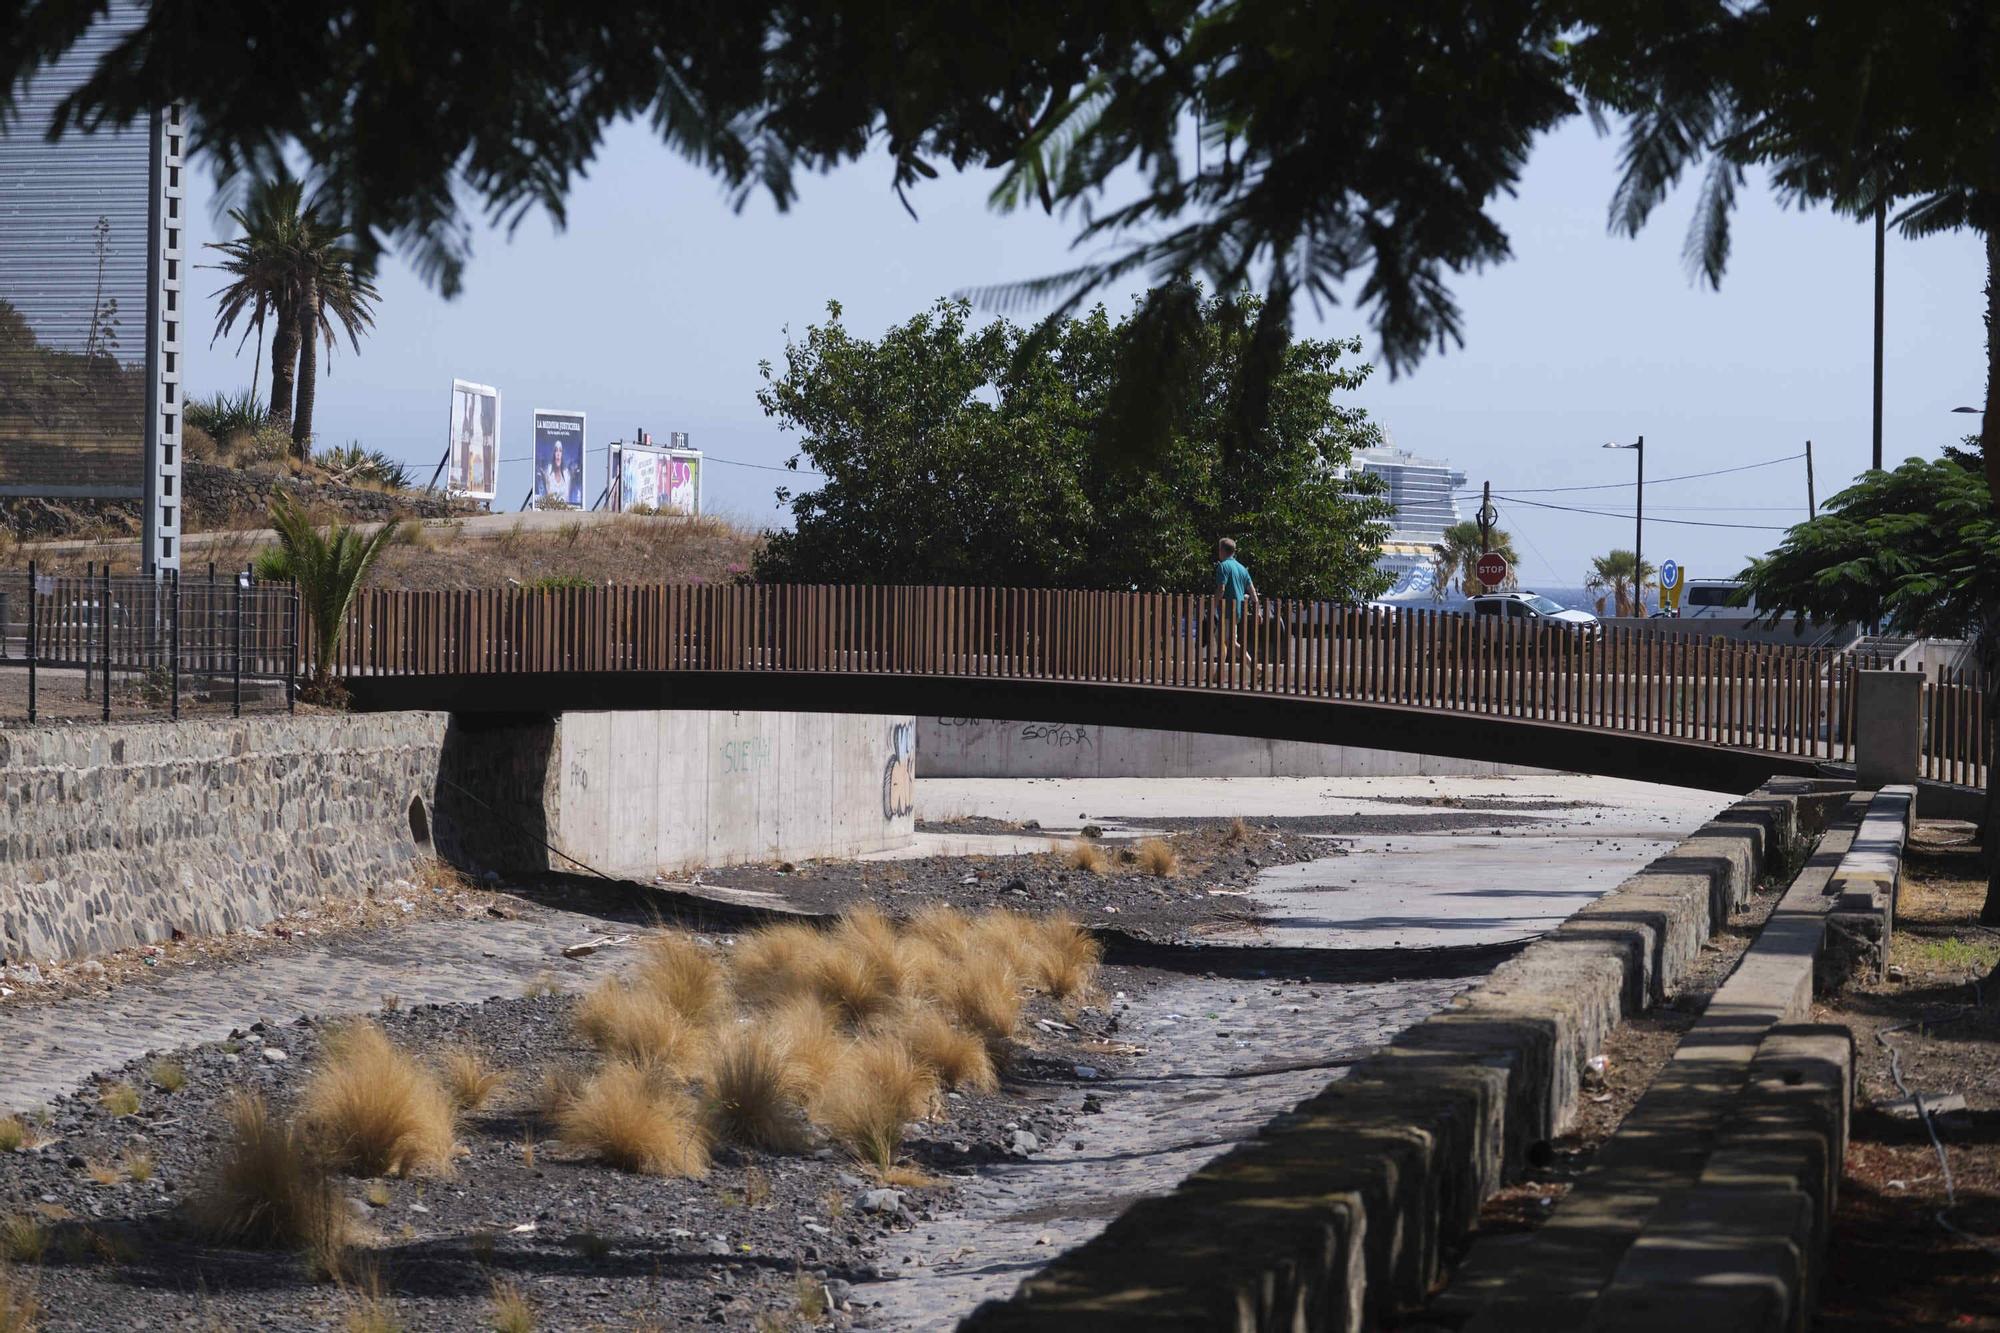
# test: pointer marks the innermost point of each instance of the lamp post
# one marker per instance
(1638, 527)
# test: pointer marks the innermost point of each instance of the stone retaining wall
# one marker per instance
(124, 834)
(1339, 1214)
(121, 835)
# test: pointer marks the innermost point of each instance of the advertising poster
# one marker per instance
(663, 481)
(680, 483)
(474, 466)
(559, 440)
(638, 478)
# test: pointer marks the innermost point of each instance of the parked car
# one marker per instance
(1534, 606)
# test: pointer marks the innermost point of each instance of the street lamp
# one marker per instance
(1638, 527)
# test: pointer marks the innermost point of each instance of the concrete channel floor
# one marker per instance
(1219, 1056)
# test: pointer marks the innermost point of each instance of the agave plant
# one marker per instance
(225, 416)
(328, 565)
(351, 463)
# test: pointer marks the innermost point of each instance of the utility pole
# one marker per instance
(1639, 535)
(1486, 518)
(1881, 229)
(1812, 505)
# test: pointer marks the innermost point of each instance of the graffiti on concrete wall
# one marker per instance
(746, 756)
(1057, 735)
(899, 775)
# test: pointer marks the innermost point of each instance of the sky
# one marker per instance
(655, 304)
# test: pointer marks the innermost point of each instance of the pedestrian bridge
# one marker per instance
(1656, 705)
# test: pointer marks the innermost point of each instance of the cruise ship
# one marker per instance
(1424, 493)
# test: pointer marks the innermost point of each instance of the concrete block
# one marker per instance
(1888, 728)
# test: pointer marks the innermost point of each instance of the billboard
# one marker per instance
(559, 440)
(474, 452)
(657, 480)
(77, 233)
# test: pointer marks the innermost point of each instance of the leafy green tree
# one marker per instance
(1917, 548)
(1616, 574)
(329, 567)
(1457, 559)
(956, 454)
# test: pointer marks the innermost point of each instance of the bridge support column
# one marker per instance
(1888, 728)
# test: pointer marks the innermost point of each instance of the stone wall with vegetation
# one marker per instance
(121, 835)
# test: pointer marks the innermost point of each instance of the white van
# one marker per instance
(1709, 599)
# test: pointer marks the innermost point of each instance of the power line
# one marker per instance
(1607, 513)
(1657, 481)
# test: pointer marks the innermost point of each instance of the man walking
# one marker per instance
(1235, 598)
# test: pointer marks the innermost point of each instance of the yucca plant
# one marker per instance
(328, 565)
(227, 415)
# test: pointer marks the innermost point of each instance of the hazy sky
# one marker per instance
(655, 305)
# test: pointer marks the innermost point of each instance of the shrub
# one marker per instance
(373, 1110)
(1158, 857)
(269, 1188)
(469, 1079)
(629, 1121)
(557, 582)
(224, 416)
(874, 1094)
(629, 1020)
(685, 976)
(753, 1091)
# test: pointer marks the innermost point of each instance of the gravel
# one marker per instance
(764, 1237)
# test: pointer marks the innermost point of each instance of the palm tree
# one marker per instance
(1613, 574)
(328, 567)
(1456, 559)
(291, 267)
(258, 262)
(330, 291)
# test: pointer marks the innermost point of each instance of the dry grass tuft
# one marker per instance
(753, 1092)
(139, 1167)
(23, 1239)
(512, 1311)
(873, 1096)
(102, 1173)
(13, 1134)
(558, 1088)
(863, 930)
(944, 928)
(628, 1020)
(20, 1306)
(371, 1310)
(629, 1121)
(853, 984)
(542, 984)
(270, 1188)
(1236, 834)
(904, 1177)
(1064, 958)
(809, 1034)
(1157, 856)
(959, 1058)
(983, 996)
(120, 1099)
(1087, 857)
(167, 1075)
(373, 1110)
(775, 963)
(468, 1079)
(685, 976)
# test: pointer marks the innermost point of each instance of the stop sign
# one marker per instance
(1492, 569)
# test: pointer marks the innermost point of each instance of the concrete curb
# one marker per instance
(1339, 1213)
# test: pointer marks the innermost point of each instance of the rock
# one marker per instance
(879, 1201)
(1017, 885)
(1596, 1072)
(1023, 1142)
(837, 1292)
(716, 1245)
(847, 1180)
(274, 1055)
(1086, 1072)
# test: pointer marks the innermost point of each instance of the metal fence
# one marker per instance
(1771, 698)
(101, 645)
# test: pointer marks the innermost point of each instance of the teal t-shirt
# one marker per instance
(1232, 580)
